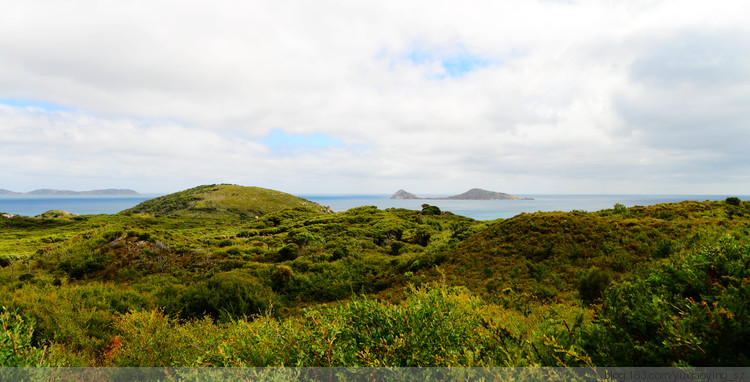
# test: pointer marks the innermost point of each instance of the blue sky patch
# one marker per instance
(463, 64)
(456, 64)
(280, 139)
(48, 106)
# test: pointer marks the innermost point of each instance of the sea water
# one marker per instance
(32, 205)
(494, 209)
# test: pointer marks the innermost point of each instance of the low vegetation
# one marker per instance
(208, 277)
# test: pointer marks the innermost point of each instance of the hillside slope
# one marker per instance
(544, 255)
(224, 199)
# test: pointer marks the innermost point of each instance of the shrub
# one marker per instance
(282, 274)
(225, 295)
(16, 349)
(620, 209)
(302, 238)
(430, 210)
(592, 284)
(82, 265)
(433, 327)
(421, 236)
(733, 201)
(664, 248)
(289, 252)
(339, 253)
(692, 311)
(153, 339)
(396, 248)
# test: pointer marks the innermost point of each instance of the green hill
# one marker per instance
(545, 254)
(224, 199)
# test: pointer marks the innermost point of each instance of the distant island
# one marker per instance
(47, 191)
(473, 194)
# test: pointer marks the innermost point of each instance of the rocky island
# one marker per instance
(473, 194)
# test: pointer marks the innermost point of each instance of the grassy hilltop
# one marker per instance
(238, 276)
(222, 199)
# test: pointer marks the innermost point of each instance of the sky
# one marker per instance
(368, 97)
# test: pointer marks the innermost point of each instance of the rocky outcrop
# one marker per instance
(401, 194)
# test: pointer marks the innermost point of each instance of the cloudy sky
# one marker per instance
(320, 97)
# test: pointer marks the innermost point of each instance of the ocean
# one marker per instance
(32, 205)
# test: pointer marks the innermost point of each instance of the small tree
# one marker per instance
(592, 284)
(430, 210)
(282, 274)
(733, 201)
(289, 252)
(620, 209)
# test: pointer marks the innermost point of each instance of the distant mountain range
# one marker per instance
(473, 194)
(47, 191)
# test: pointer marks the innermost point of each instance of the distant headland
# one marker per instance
(473, 194)
(47, 191)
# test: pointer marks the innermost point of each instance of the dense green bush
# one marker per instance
(620, 209)
(225, 295)
(430, 210)
(664, 248)
(694, 311)
(289, 252)
(733, 201)
(85, 264)
(16, 349)
(592, 284)
(281, 275)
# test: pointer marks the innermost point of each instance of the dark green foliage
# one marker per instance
(430, 210)
(694, 311)
(396, 248)
(545, 252)
(281, 275)
(16, 348)
(289, 252)
(620, 209)
(84, 265)
(339, 253)
(592, 284)
(303, 237)
(664, 248)
(421, 236)
(225, 295)
(461, 230)
(537, 271)
(733, 201)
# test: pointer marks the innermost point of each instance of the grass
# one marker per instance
(218, 200)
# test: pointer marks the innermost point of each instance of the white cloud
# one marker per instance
(584, 96)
